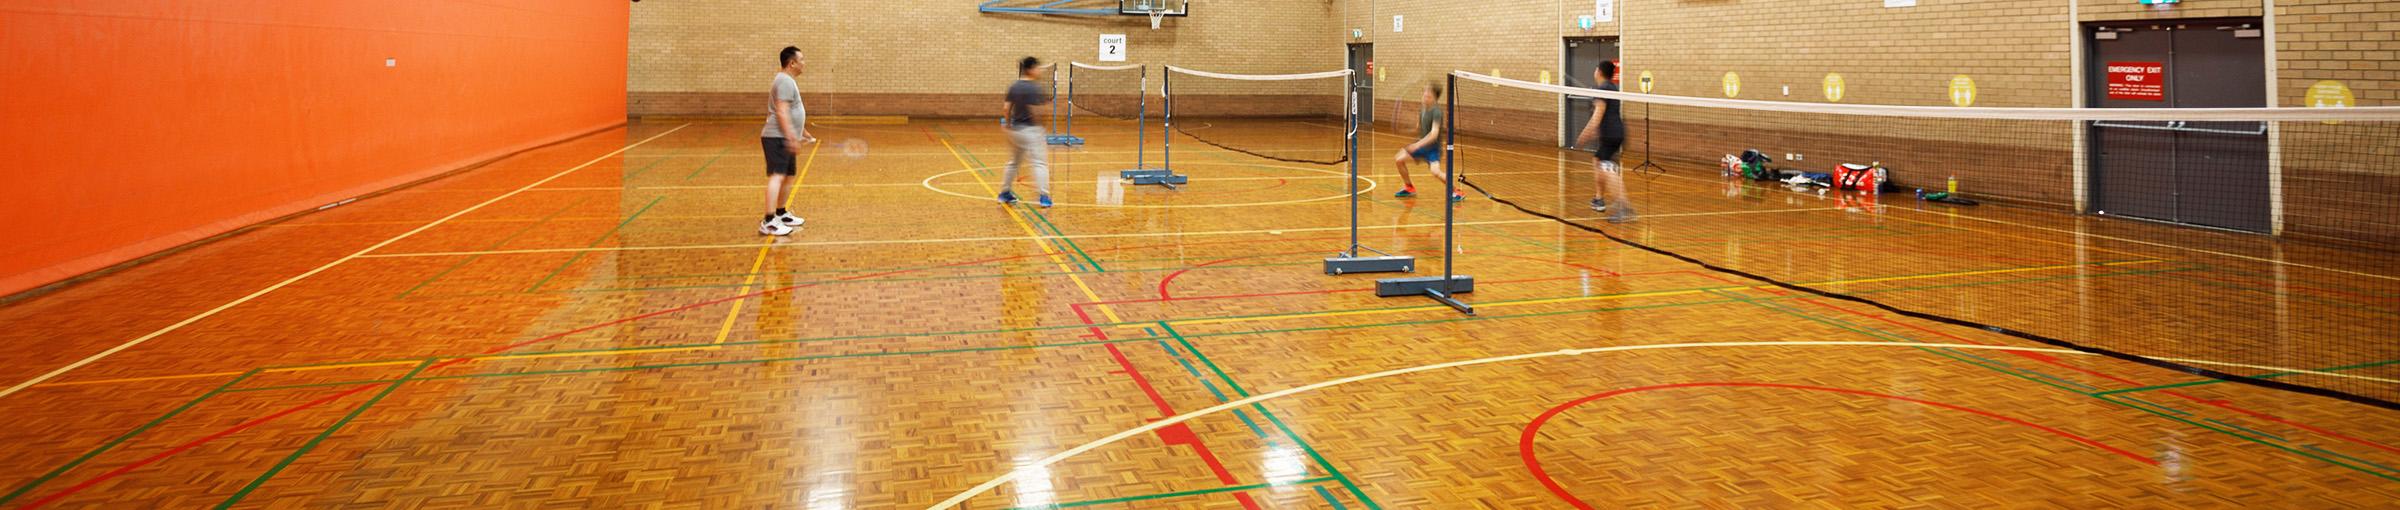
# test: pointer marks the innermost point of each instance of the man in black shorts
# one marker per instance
(1608, 129)
(786, 131)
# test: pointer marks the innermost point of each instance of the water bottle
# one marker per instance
(1920, 193)
(1953, 187)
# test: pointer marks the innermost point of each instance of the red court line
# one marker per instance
(122, 470)
(1180, 433)
(2054, 361)
(153, 459)
(1525, 442)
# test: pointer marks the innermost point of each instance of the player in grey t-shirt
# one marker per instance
(1029, 144)
(786, 131)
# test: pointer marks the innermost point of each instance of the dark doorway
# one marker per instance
(1362, 81)
(1583, 55)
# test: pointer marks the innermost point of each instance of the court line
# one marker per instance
(288, 411)
(1526, 441)
(12, 390)
(1249, 318)
(1040, 237)
(726, 329)
(1043, 463)
(2022, 225)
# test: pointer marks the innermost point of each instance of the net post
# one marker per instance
(1350, 152)
(1166, 142)
(1141, 122)
(1450, 284)
(1353, 258)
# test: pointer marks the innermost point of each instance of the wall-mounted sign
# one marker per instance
(1605, 10)
(2137, 81)
(1112, 47)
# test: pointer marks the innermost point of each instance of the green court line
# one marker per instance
(612, 231)
(1037, 215)
(2155, 404)
(1271, 418)
(1203, 335)
(495, 245)
(2272, 375)
(2113, 400)
(749, 361)
(646, 168)
(2358, 307)
(2247, 429)
(1179, 337)
(2150, 405)
(128, 435)
(320, 438)
(1179, 494)
(1321, 492)
(2352, 459)
(712, 160)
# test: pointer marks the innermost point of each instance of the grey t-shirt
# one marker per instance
(1022, 97)
(785, 89)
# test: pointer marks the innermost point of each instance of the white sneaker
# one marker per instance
(788, 220)
(773, 228)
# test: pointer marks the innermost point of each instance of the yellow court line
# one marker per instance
(1650, 294)
(726, 329)
(1036, 237)
(320, 269)
(1041, 237)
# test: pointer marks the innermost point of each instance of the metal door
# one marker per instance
(1362, 81)
(2201, 173)
(1583, 55)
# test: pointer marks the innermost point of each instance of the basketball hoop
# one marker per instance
(1157, 15)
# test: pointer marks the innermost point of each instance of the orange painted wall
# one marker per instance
(131, 126)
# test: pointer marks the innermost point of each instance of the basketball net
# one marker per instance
(1156, 16)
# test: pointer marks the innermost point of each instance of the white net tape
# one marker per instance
(1126, 67)
(1261, 77)
(2366, 113)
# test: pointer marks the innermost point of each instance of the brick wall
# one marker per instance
(872, 58)
(2340, 181)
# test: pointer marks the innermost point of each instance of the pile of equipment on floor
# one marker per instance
(1871, 178)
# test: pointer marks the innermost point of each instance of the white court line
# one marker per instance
(1023, 238)
(1045, 462)
(313, 272)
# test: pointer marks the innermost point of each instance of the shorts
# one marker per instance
(1609, 147)
(1429, 154)
(779, 159)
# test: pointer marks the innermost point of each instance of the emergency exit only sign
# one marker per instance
(2138, 81)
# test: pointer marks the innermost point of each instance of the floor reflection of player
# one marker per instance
(778, 312)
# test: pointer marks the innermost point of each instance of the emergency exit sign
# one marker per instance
(2138, 81)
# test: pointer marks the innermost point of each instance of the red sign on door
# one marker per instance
(2138, 81)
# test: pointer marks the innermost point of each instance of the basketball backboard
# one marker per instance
(1148, 7)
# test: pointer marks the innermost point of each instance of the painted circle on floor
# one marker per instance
(1111, 189)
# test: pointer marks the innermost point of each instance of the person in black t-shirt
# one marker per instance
(1029, 143)
(1608, 129)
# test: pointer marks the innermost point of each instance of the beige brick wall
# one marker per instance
(874, 57)
(2340, 181)
(712, 56)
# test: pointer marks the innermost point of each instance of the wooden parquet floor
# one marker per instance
(595, 325)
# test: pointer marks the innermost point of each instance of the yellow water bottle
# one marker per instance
(1952, 188)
